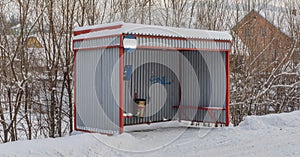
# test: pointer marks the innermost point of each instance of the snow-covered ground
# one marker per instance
(270, 135)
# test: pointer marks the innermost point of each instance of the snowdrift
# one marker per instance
(270, 135)
(272, 121)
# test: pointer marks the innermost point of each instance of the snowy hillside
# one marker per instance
(270, 135)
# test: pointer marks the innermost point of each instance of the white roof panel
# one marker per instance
(130, 28)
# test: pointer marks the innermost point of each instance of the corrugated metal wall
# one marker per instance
(210, 93)
(154, 77)
(160, 76)
(189, 85)
(97, 89)
(97, 42)
(183, 43)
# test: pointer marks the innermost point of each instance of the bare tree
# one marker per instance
(264, 75)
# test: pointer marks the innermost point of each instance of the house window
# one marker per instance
(248, 29)
(263, 31)
(274, 54)
(246, 32)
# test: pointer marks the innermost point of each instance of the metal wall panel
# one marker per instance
(98, 42)
(199, 80)
(97, 90)
(167, 79)
(154, 78)
(210, 69)
(186, 80)
(184, 43)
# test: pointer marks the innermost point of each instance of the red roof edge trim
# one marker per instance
(79, 32)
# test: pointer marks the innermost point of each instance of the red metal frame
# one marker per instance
(212, 116)
(228, 85)
(200, 108)
(121, 88)
(167, 48)
(121, 65)
(98, 47)
(147, 122)
(94, 132)
(121, 92)
(209, 111)
(178, 49)
(156, 47)
(147, 36)
(178, 38)
(93, 38)
(75, 122)
(96, 29)
(74, 68)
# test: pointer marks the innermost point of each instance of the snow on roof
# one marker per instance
(141, 29)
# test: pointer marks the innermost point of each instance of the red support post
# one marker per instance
(228, 86)
(74, 77)
(75, 128)
(121, 84)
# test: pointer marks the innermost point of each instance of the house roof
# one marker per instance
(33, 42)
(117, 28)
(273, 24)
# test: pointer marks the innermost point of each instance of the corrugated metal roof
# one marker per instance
(141, 29)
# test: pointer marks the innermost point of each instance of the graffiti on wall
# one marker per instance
(157, 79)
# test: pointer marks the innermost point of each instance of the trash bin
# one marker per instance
(141, 104)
